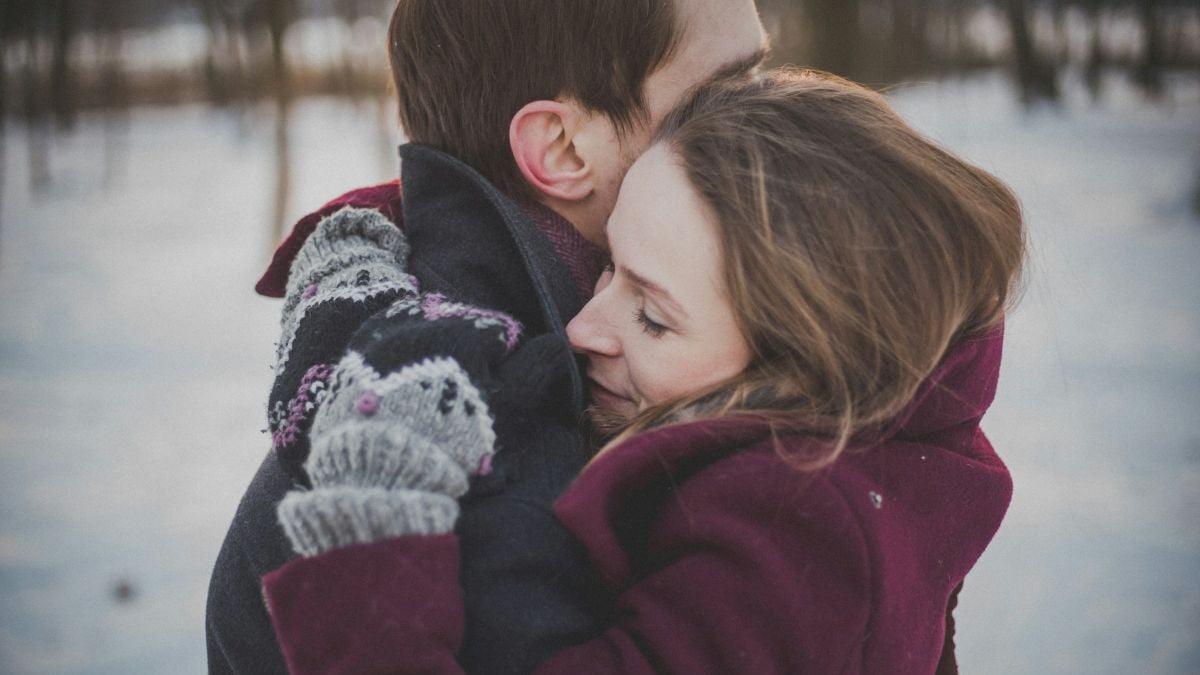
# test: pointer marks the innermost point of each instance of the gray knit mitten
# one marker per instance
(352, 254)
(390, 455)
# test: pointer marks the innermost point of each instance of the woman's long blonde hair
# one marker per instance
(855, 252)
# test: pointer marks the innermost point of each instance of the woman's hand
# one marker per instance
(390, 455)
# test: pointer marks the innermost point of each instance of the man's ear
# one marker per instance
(542, 137)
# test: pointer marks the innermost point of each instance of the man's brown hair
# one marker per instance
(463, 68)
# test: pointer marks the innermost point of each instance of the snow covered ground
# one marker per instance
(134, 366)
(1098, 412)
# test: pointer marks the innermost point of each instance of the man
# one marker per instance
(549, 101)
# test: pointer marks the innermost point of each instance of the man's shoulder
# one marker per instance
(384, 197)
(239, 633)
(254, 534)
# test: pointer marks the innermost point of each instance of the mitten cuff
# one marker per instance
(381, 453)
(328, 518)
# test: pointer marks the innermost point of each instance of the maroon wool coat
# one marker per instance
(715, 556)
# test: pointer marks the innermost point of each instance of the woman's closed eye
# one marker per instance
(649, 325)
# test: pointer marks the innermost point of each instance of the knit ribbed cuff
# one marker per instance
(328, 518)
(382, 453)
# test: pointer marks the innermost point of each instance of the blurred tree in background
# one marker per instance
(885, 41)
(60, 57)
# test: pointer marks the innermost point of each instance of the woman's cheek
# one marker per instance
(660, 374)
(641, 377)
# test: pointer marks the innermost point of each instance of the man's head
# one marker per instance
(552, 100)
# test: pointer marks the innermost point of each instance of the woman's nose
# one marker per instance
(590, 333)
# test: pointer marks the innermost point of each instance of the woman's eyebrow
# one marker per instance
(662, 293)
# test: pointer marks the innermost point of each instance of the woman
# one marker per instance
(792, 348)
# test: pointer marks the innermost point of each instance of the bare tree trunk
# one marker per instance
(35, 118)
(1062, 54)
(786, 23)
(114, 92)
(959, 49)
(62, 77)
(236, 68)
(6, 38)
(280, 14)
(224, 71)
(279, 17)
(1196, 194)
(6, 35)
(1035, 78)
(1149, 70)
(833, 32)
(215, 82)
(283, 166)
(1096, 61)
(349, 12)
(909, 42)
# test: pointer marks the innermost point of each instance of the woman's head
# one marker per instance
(843, 254)
(660, 326)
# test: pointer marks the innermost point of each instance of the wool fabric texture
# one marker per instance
(713, 555)
(371, 480)
(487, 288)
(389, 456)
(328, 518)
(352, 266)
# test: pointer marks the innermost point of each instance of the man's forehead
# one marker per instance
(716, 35)
(722, 26)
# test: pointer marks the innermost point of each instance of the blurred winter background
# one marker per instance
(153, 152)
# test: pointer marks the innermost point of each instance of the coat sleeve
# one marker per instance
(734, 581)
(393, 606)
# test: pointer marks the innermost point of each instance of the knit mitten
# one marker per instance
(350, 267)
(352, 255)
(389, 455)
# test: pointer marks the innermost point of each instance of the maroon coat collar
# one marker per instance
(945, 414)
